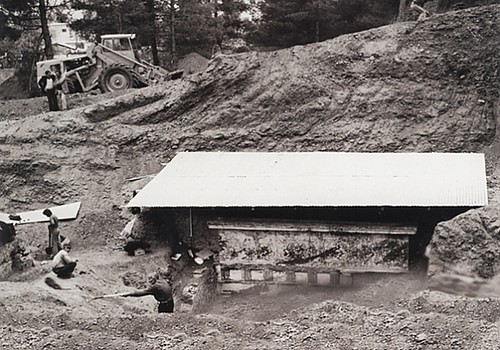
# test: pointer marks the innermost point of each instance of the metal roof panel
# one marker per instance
(310, 179)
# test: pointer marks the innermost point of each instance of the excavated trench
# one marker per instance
(262, 234)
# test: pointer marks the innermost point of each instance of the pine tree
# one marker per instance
(290, 22)
(23, 15)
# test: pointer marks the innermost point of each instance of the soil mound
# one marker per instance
(11, 88)
(193, 63)
(5, 74)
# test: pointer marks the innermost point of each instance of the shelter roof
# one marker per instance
(317, 179)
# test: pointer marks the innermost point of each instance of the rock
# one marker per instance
(421, 337)
(212, 332)
(179, 336)
(467, 245)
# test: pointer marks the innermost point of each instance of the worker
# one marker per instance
(47, 84)
(62, 264)
(418, 6)
(161, 291)
(61, 86)
(54, 237)
(133, 245)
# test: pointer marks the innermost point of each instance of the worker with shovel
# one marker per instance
(161, 291)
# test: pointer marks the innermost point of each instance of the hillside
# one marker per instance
(431, 86)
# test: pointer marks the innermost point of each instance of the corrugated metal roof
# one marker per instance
(317, 179)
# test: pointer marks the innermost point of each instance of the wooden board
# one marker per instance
(63, 212)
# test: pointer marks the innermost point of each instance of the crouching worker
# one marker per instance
(62, 264)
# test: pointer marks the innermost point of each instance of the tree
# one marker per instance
(198, 25)
(172, 9)
(7, 29)
(280, 24)
(107, 17)
(190, 27)
(401, 11)
(179, 26)
(42, 9)
(28, 15)
(320, 13)
(151, 34)
(125, 16)
(228, 22)
(290, 22)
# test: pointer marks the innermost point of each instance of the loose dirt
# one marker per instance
(430, 86)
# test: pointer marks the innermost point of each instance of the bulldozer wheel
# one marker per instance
(74, 85)
(116, 78)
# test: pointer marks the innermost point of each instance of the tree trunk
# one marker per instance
(317, 31)
(401, 13)
(316, 34)
(173, 50)
(150, 7)
(154, 50)
(219, 35)
(42, 7)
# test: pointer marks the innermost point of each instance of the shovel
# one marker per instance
(110, 296)
(48, 250)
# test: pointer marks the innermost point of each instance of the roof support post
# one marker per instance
(190, 226)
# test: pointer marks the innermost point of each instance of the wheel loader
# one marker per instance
(111, 65)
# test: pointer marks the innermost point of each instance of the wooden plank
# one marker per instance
(315, 226)
(63, 212)
(276, 268)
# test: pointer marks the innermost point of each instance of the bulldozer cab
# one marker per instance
(124, 44)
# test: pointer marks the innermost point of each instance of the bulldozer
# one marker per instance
(111, 65)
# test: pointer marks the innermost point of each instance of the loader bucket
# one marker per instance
(176, 74)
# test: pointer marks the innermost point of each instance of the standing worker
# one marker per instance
(54, 239)
(161, 291)
(47, 84)
(418, 6)
(61, 86)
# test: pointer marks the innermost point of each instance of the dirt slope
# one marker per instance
(426, 87)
